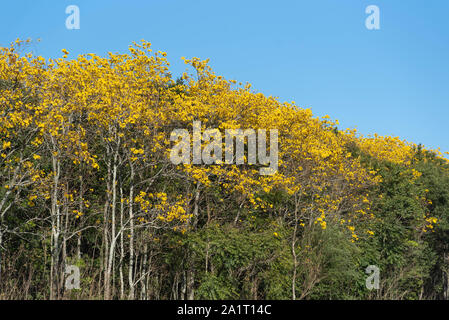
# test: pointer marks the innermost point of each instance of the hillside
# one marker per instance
(88, 180)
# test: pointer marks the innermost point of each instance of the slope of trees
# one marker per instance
(86, 180)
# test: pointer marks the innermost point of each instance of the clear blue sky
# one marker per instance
(393, 81)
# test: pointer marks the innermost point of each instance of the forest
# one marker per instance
(86, 180)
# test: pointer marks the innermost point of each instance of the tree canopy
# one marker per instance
(86, 180)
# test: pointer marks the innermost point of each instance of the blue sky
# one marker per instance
(318, 53)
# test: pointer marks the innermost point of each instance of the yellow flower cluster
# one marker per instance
(126, 105)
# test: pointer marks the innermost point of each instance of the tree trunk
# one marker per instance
(107, 278)
(56, 231)
(295, 258)
(105, 241)
(122, 249)
(131, 236)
